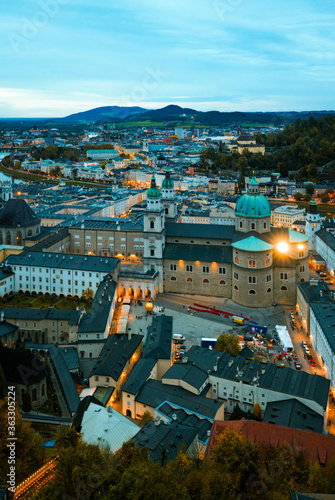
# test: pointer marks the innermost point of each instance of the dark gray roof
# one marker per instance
(293, 413)
(203, 358)
(327, 237)
(180, 416)
(96, 320)
(63, 374)
(187, 372)
(30, 313)
(64, 261)
(295, 383)
(115, 355)
(158, 341)
(204, 253)
(17, 212)
(124, 224)
(139, 375)
(325, 315)
(6, 273)
(6, 328)
(153, 393)
(311, 293)
(50, 240)
(70, 355)
(199, 230)
(164, 441)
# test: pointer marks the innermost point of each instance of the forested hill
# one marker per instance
(304, 146)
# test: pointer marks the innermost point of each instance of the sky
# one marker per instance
(64, 56)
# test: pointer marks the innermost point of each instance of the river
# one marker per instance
(8, 178)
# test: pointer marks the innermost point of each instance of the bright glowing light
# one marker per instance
(300, 247)
(282, 247)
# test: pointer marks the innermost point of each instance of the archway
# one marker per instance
(19, 238)
(128, 413)
(130, 292)
(147, 294)
(8, 238)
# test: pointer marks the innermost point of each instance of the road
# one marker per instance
(36, 481)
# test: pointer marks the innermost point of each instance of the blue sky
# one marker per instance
(65, 56)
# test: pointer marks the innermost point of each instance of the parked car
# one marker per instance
(297, 365)
(304, 344)
(181, 346)
(323, 274)
(312, 362)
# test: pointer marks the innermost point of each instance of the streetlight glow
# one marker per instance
(300, 247)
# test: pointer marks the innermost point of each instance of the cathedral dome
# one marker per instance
(153, 192)
(253, 204)
(17, 213)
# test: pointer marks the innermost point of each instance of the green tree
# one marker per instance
(228, 343)
(298, 196)
(325, 198)
(87, 294)
(307, 197)
(310, 189)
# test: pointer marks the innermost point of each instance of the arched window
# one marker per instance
(236, 287)
(37, 230)
(30, 233)
(284, 288)
(252, 263)
(166, 210)
(34, 395)
(206, 281)
(268, 290)
(173, 278)
(19, 238)
(43, 389)
(222, 282)
(237, 260)
(241, 224)
(252, 292)
(8, 238)
(189, 280)
(152, 224)
(267, 262)
(252, 226)
(302, 279)
(264, 225)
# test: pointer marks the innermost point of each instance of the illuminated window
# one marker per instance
(301, 253)
(237, 260)
(206, 281)
(222, 282)
(189, 280)
(267, 262)
(252, 263)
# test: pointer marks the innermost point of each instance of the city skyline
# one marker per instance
(64, 57)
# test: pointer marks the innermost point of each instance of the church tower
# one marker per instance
(154, 232)
(313, 224)
(168, 201)
(252, 211)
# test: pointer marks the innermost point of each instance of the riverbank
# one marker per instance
(28, 176)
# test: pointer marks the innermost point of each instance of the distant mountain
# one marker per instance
(112, 113)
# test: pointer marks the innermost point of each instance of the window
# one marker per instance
(152, 224)
(88, 245)
(252, 263)
(283, 276)
(222, 282)
(205, 270)
(301, 253)
(264, 225)
(236, 287)
(252, 292)
(284, 288)
(252, 279)
(189, 280)
(268, 278)
(189, 268)
(252, 226)
(206, 281)
(267, 262)
(173, 278)
(241, 224)
(222, 270)
(152, 252)
(237, 260)
(123, 239)
(99, 245)
(173, 267)
(236, 276)
(268, 290)
(302, 269)
(302, 279)
(88, 237)
(123, 247)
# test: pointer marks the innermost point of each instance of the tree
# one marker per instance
(325, 198)
(146, 417)
(228, 343)
(257, 412)
(307, 197)
(310, 189)
(298, 196)
(87, 294)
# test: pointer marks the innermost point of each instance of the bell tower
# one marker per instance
(313, 223)
(168, 201)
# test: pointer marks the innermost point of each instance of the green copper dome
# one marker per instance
(250, 205)
(167, 182)
(153, 192)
